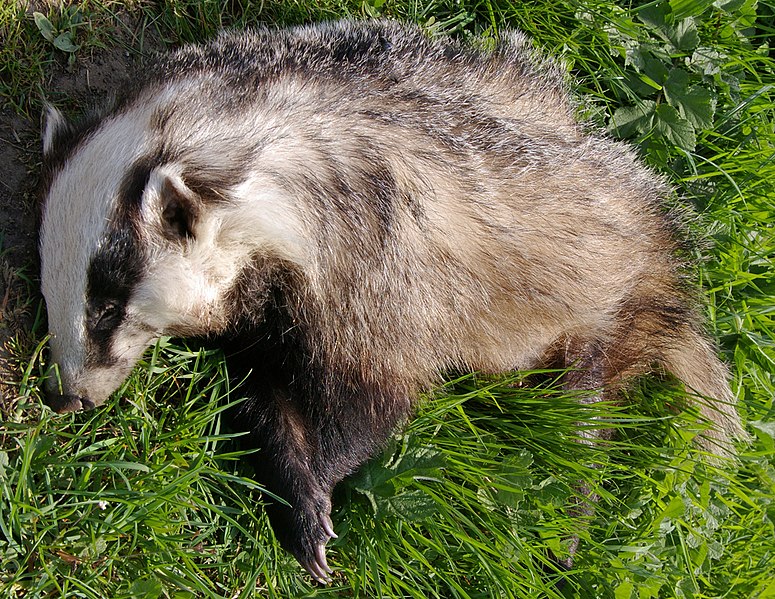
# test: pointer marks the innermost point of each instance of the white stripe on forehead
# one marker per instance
(76, 211)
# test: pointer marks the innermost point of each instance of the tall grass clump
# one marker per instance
(146, 496)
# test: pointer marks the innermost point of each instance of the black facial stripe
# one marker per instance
(116, 266)
(112, 275)
(130, 192)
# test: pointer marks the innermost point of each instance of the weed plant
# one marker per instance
(146, 497)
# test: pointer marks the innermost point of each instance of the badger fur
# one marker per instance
(350, 210)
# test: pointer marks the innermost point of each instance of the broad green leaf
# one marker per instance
(655, 15)
(675, 509)
(624, 590)
(715, 549)
(513, 480)
(686, 588)
(634, 54)
(64, 42)
(655, 70)
(764, 426)
(684, 36)
(378, 480)
(708, 60)
(639, 88)
(695, 103)
(420, 461)
(765, 431)
(373, 479)
(44, 26)
(551, 493)
(675, 128)
(628, 121)
(409, 506)
(73, 15)
(148, 588)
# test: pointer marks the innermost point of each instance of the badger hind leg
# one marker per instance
(653, 330)
(585, 362)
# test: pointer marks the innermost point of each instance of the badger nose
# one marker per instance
(68, 403)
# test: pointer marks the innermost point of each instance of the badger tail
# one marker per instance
(691, 358)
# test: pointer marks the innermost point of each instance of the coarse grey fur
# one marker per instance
(351, 209)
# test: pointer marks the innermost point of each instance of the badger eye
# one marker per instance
(105, 316)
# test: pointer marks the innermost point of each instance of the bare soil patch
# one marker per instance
(19, 162)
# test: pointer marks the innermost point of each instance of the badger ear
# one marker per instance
(179, 209)
(55, 128)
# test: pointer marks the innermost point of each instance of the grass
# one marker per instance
(146, 497)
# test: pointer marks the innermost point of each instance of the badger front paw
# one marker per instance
(303, 530)
(311, 552)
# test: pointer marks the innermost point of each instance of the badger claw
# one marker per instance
(314, 561)
(306, 535)
(318, 567)
(328, 527)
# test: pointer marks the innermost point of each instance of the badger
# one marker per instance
(351, 210)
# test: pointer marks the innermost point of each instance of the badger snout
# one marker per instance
(68, 403)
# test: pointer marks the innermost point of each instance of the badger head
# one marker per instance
(127, 254)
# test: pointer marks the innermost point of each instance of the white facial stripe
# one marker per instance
(76, 212)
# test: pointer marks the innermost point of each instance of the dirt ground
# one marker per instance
(19, 163)
(96, 74)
